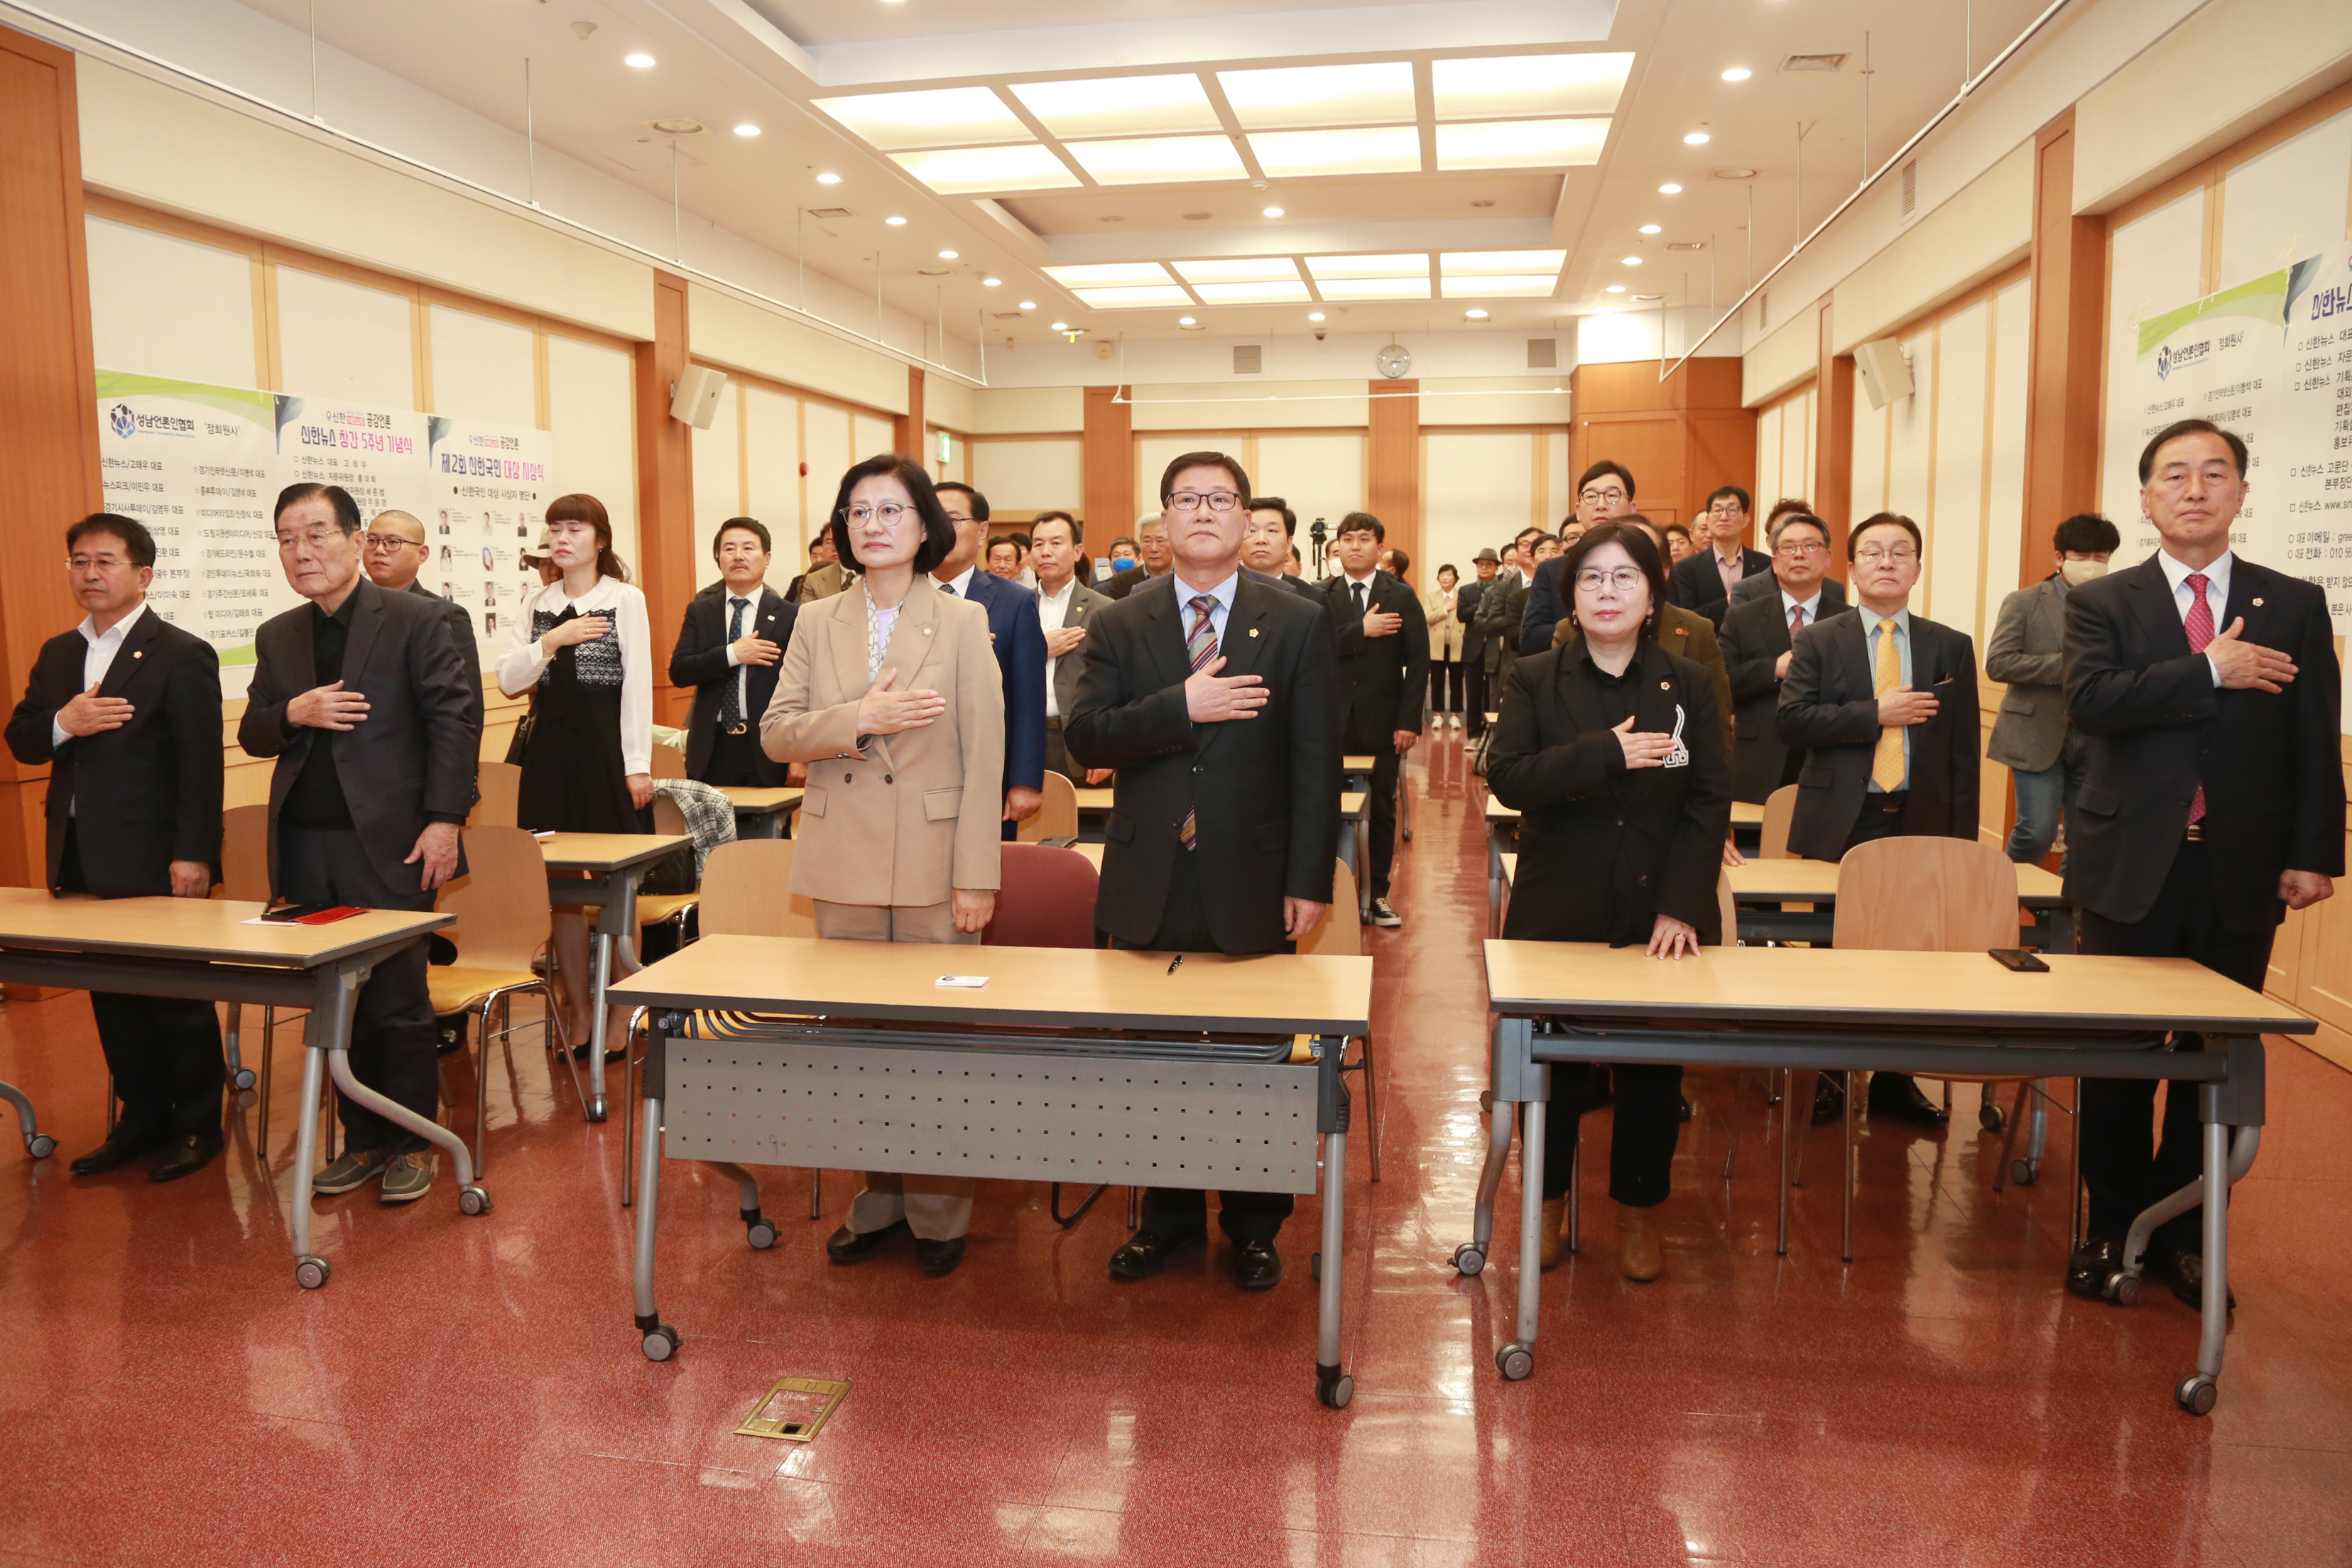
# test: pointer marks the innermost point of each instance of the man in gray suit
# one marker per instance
(1064, 605)
(2046, 760)
(361, 698)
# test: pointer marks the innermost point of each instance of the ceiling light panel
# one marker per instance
(1160, 160)
(1321, 95)
(1121, 106)
(1295, 153)
(1528, 84)
(1133, 298)
(1411, 264)
(941, 117)
(1292, 293)
(1523, 286)
(1521, 145)
(1472, 263)
(1373, 288)
(1256, 270)
(1107, 274)
(961, 171)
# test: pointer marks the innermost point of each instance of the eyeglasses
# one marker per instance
(1597, 496)
(1796, 548)
(101, 562)
(1625, 579)
(1215, 500)
(389, 541)
(1871, 555)
(889, 512)
(316, 537)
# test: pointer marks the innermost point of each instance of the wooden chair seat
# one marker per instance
(456, 989)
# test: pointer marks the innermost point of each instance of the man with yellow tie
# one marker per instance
(1884, 703)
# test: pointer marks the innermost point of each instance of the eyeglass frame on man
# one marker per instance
(1192, 501)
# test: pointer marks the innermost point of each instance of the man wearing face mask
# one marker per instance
(2046, 759)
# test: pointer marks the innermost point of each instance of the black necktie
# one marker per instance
(1359, 598)
(949, 589)
(731, 695)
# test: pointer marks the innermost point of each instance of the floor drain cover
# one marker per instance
(795, 1409)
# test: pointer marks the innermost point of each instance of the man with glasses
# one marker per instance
(125, 711)
(1705, 582)
(1152, 549)
(1758, 636)
(1380, 635)
(1884, 702)
(1020, 643)
(393, 552)
(1225, 822)
(1603, 494)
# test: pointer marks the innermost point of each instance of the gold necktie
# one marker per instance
(1886, 764)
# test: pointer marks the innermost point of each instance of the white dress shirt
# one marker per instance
(1365, 582)
(1052, 610)
(2217, 593)
(960, 584)
(1790, 603)
(1223, 593)
(526, 659)
(96, 661)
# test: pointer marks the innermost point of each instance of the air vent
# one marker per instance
(1910, 187)
(831, 212)
(678, 127)
(1249, 359)
(1686, 244)
(1813, 63)
(1543, 353)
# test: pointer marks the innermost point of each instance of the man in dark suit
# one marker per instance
(1487, 564)
(2046, 760)
(1381, 635)
(1211, 693)
(361, 699)
(1268, 546)
(2215, 801)
(124, 711)
(1704, 582)
(1758, 637)
(1501, 609)
(1884, 702)
(1020, 643)
(734, 632)
(1604, 493)
(1066, 608)
(1152, 550)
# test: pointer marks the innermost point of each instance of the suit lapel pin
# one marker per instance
(141, 653)
(1665, 686)
(1254, 629)
(2258, 604)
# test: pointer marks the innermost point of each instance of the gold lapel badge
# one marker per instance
(1254, 629)
(2258, 604)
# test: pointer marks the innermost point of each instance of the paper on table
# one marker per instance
(968, 982)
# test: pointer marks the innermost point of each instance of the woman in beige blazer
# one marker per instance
(1441, 611)
(892, 696)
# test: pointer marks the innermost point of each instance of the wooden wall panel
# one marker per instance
(1108, 460)
(670, 566)
(1393, 460)
(2068, 303)
(1682, 437)
(908, 430)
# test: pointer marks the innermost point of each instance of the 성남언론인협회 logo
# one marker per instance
(121, 421)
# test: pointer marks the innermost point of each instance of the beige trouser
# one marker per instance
(937, 1208)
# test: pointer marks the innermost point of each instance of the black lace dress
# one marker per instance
(575, 779)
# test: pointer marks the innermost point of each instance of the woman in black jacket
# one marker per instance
(1612, 750)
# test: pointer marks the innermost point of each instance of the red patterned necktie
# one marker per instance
(1796, 620)
(2199, 624)
(1201, 644)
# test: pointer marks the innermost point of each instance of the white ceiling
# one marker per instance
(724, 62)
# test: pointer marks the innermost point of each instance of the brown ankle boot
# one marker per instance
(1639, 1255)
(1554, 1245)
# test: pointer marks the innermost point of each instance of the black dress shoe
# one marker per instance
(2185, 1272)
(1829, 1099)
(939, 1257)
(1148, 1252)
(123, 1145)
(185, 1155)
(2093, 1262)
(1257, 1266)
(847, 1246)
(1898, 1095)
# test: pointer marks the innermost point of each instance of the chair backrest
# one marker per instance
(1779, 806)
(502, 785)
(667, 817)
(1047, 898)
(502, 900)
(1059, 816)
(244, 853)
(1925, 895)
(1340, 932)
(747, 891)
(669, 763)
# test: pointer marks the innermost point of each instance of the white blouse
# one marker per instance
(526, 660)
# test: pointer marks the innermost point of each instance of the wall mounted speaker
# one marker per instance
(1886, 371)
(695, 398)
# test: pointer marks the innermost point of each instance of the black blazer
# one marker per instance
(411, 761)
(460, 622)
(698, 658)
(1544, 606)
(1697, 583)
(1265, 790)
(1828, 707)
(1474, 635)
(1755, 634)
(1605, 849)
(148, 793)
(1501, 609)
(2157, 726)
(1382, 681)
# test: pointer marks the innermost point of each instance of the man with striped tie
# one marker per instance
(1211, 691)
(2213, 802)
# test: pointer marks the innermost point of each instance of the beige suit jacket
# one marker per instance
(892, 822)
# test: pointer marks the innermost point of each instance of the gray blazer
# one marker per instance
(2026, 652)
(1085, 605)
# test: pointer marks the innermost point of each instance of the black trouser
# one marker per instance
(1057, 755)
(1243, 1217)
(163, 1051)
(734, 759)
(1474, 700)
(1444, 685)
(1649, 1119)
(2122, 1165)
(393, 1036)
(1881, 817)
(1382, 828)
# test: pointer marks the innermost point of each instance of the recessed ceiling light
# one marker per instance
(1314, 315)
(1028, 304)
(747, 129)
(1061, 326)
(1734, 175)
(1197, 218)
(1649, 228)
(895, 222)
(992, 282)
(1737, 73)
(935, 116)
(1614, 288)
(1184, 321)
(964, 171)
(828, 178)
(1321, 95)
(1273, 212)
(1670, 189)
(643, 62)
(1697, 138)
(1632, 262)
(1474, 315)
(1528, 84)
(1121, 106)
(947, 256)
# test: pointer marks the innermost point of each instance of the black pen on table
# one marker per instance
(1174, 962)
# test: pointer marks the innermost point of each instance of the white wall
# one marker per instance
(1479, 488)
(1035, 476)
(169, 307)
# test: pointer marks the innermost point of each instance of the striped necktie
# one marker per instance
(2199, 624)
(1201, 643)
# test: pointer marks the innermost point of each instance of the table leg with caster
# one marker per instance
(659, 1341)
(1517, 1360)
(473, 1198)
(760, 1233)
(1334, 1387)
(1470, 1258)
(331, 1019)
(38, 1143)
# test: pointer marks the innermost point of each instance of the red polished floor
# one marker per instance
(471, 1390)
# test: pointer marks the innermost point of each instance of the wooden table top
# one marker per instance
(1027, 986)
(1744, 812)
(199, 929)
(601, 852)
(761, 800)
(1353, 763)
(1785, 987)
(1815, 882)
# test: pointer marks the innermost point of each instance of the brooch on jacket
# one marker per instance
(1679, 757)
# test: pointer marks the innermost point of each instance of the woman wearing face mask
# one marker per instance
(891, 694)
(2046, 760)
(1612, 750)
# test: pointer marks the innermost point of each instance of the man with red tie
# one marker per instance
(2213, 803)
